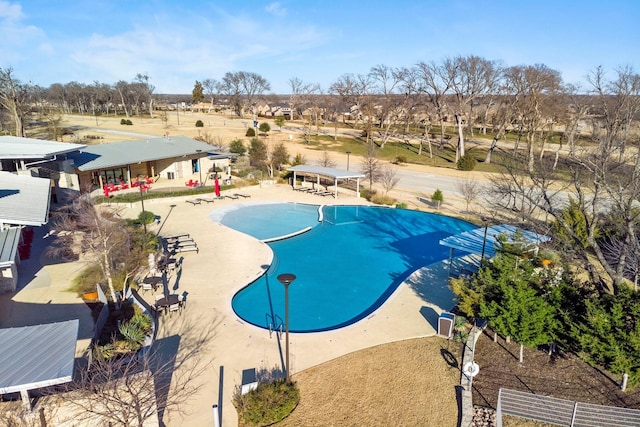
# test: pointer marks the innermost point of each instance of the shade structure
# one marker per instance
(474, 241)
(216, 187)
(37, 356)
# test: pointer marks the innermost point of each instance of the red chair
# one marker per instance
(124, 185)
(189, 184)
(148, 180)
(195, 184)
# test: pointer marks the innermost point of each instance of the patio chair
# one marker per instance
(189, 183)
(174, 307)
(241, 195)
(193, 201)
(147, 287)
(158, 297)
(207, 199)
(182, 300)
(232, 196)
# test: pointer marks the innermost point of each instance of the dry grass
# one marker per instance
(406, 383)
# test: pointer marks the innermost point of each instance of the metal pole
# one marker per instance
(286, 321)
(216, 416)
(144, 219)
(484, 243)
(348, 153)
(286, 279)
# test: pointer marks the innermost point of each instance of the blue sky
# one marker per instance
(178, 42)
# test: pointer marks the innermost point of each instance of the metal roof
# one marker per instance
(9, 240)
(37, 356)
(472, 241)
(24, 200)
(324, 171)
(13, 147)
(105, 156)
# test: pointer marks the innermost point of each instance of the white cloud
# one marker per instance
(10, 12)
(276, 9)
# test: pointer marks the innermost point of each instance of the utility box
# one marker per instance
(249, 381)
(446, 322)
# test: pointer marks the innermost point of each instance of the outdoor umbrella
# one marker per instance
(216, 187)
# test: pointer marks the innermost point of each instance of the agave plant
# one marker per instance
(133, 334)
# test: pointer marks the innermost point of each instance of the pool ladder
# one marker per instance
(271, 322)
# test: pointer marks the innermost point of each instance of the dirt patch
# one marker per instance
(562, 375)
(406, 383)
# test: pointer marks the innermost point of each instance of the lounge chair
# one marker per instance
(176, 236)
(232, 196)
(207, 199)
(186, 249)
(193, 201)
(241, 195)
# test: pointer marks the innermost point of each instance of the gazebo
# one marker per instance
(321, 171)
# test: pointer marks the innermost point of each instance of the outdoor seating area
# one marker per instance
(311, 190)
(192, 183)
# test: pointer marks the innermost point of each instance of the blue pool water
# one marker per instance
(346, 266)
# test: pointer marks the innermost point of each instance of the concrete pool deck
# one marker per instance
(227, 261)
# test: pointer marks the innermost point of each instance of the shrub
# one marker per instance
(250, 132)
(365, 193)
(146, 217)
(467, 162)
(437, 198)
(267, 404)
(237, 147)
(382, 200)
(86, 280)
(123, 121)
(402, 206)
(264, 127)
(199, 124)
(401, 159)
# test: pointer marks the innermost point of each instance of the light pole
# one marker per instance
(348, 153)
(286, 279)
(144, 219)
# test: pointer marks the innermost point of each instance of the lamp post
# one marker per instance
(348, 153)
(144, 219)
(286, 279)
(199, 166)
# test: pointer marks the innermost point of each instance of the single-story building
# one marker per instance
(159, 158)
(24, 201)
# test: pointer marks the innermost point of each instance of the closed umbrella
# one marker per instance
(216, 187)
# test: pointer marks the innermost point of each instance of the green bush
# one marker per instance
(199, 124)
(267, 404)
(401, 159)
(146, 217)
(380, 199)
(437, 198)
(123, 121)
(237, 147)
(402, 206)
(250, 132)
(467, 162)
(264, 127)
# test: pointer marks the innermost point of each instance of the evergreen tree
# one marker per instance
(197, 94)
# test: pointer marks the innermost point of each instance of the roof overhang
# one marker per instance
(17, 148)
(37, 356)
(9, 240)
(24, 200)
(324, 171)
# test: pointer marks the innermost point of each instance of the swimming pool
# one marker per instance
(346, 266)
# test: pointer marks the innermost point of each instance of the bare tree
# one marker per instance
(134, 391)
(534, 88)
(435, 82)
(389, 178)
(471, 77)
(389, 107)
(146, 90)
(242, 87)
(210, 89)
(470, 189)
(104, 239)
(326, 160)
(13, 98)
(370, 167)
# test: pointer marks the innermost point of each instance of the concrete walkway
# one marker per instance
(227, 261)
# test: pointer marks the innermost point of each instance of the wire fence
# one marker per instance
(563, 412)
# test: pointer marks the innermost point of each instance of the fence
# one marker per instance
(563, 412)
